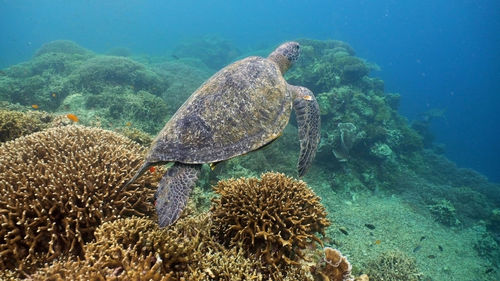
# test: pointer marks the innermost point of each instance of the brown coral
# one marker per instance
(273, 218)
(333, 267)
(14, 124)
(393, 266)
(126, 247)
(58, 185)
(120, 264)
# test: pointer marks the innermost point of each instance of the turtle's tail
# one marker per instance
(139, 173)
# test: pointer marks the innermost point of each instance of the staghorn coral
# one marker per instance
(14, 124)
(333, 267)
(58, 185)
(176, 245)
(118, 264)
(137, 249)
(274, 217)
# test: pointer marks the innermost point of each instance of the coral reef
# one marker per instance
(61, 47)
(393, 266)
(100, 72)
(115, 263)
(324, 65)
(14, 124)
(444, 212)
(64, 77)
(58, 185)
(333, 267)
(273, 218)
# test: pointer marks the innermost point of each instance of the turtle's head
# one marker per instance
(285, 55)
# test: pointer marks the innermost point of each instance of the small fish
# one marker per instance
(417, 248)
(54, 95)
(343, 230)
(431, 256)
(175, 57)
(370, 226)
(377, 242)
(422, 238)
(128, 124)
(35, 106)
(440, 248)
(152, 169)
(489, 270)
(72, 117)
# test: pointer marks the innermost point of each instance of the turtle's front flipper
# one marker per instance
(308, 120)
(173, 192)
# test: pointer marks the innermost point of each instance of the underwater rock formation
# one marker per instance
(58, 185)
(274, 218)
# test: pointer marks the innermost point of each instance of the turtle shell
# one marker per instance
(241, 108)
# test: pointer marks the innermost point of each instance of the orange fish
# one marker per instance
(128, 124)
(72, 117)
(35, 106)
(54, 95)
(378, 242)
(152, 169)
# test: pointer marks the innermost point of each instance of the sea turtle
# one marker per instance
(244, 106)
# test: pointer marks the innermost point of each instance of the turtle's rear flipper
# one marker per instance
(173, 192)
(308, 120)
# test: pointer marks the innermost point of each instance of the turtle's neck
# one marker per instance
(282, 62)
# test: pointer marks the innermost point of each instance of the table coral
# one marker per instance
(58, 185)
(274, 218)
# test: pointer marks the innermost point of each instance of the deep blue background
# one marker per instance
(437, 54)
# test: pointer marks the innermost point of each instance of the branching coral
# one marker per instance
(14, 124)
(136, 249)
(118, 264)
(393, 266)
(58, 185)
(274, 217)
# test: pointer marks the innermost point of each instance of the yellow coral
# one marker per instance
(58, 185)
(274, 217)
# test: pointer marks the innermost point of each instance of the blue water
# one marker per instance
(437, 54)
